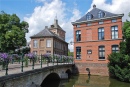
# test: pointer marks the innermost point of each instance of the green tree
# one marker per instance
(12, 32)
(119, 63)
(70, 53)
(126, 33)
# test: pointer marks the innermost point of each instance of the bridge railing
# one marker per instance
(20, 63)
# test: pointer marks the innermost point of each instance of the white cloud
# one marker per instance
(44, 16)
(117, 6)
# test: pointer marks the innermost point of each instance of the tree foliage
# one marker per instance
(70, 53)
(12, 32)
(119, 66)
(119, 63)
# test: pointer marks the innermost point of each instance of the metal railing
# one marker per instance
(25, 64)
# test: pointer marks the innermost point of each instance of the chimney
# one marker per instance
(55, 23)
(46, 27)
(94, 6)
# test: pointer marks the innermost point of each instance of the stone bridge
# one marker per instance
(36, 77)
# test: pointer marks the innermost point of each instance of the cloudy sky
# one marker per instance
(41, 13)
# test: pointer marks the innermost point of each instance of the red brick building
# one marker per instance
(96, 35)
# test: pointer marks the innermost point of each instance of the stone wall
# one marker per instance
(95, 68)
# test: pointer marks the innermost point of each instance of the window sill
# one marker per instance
(78, 59)
(89, 59)
(101, 59)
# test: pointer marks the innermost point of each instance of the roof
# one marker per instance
(55, 25)
(43, 33)
(94, 12)
(46, 33)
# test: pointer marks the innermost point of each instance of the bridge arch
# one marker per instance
(50, 78)
(69, 72)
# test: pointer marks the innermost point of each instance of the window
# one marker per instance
(101, 14)
(113, 20)
(78, 52)
(101, 34)
(48, 52)
(78, 35)
(115, 48)
(89, 51)
(100, 22)
(88, 24)
(89, 16)
(77, 26)
(35, 52)
(101, 52)
(48, 43)
(114, 32)
(35, 43)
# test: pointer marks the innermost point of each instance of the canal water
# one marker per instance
(85, 81)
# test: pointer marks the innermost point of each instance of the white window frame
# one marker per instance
(48, 43)
(35, 43)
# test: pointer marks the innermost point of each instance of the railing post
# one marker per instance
(53, 59)
(19, 60)
(57, 60)
(22, 63)
(6, 68)
(12, 60)
(47, 62)
(33, 64)
(41, 61)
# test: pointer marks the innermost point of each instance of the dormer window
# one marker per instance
(113, 20)
(52, 26)
(101, 14)
(100, 22)
(77, 26)
(89, 16)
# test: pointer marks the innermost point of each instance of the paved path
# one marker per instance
(16, 68)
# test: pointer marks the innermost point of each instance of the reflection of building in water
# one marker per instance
(95, 81)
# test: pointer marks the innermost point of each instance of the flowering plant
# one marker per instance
(5, 57)
(30, 55)
(47, 55)
(15, 56)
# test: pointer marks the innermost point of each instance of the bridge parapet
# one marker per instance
(36, 76)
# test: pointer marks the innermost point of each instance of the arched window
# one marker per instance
(101, 14)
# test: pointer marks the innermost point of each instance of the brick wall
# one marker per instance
(89, 41)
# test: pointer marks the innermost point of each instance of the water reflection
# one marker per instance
(85, 81)
(52, 83)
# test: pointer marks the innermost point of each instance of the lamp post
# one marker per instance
(25, 29)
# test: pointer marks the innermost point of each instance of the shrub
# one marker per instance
(119, 66)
